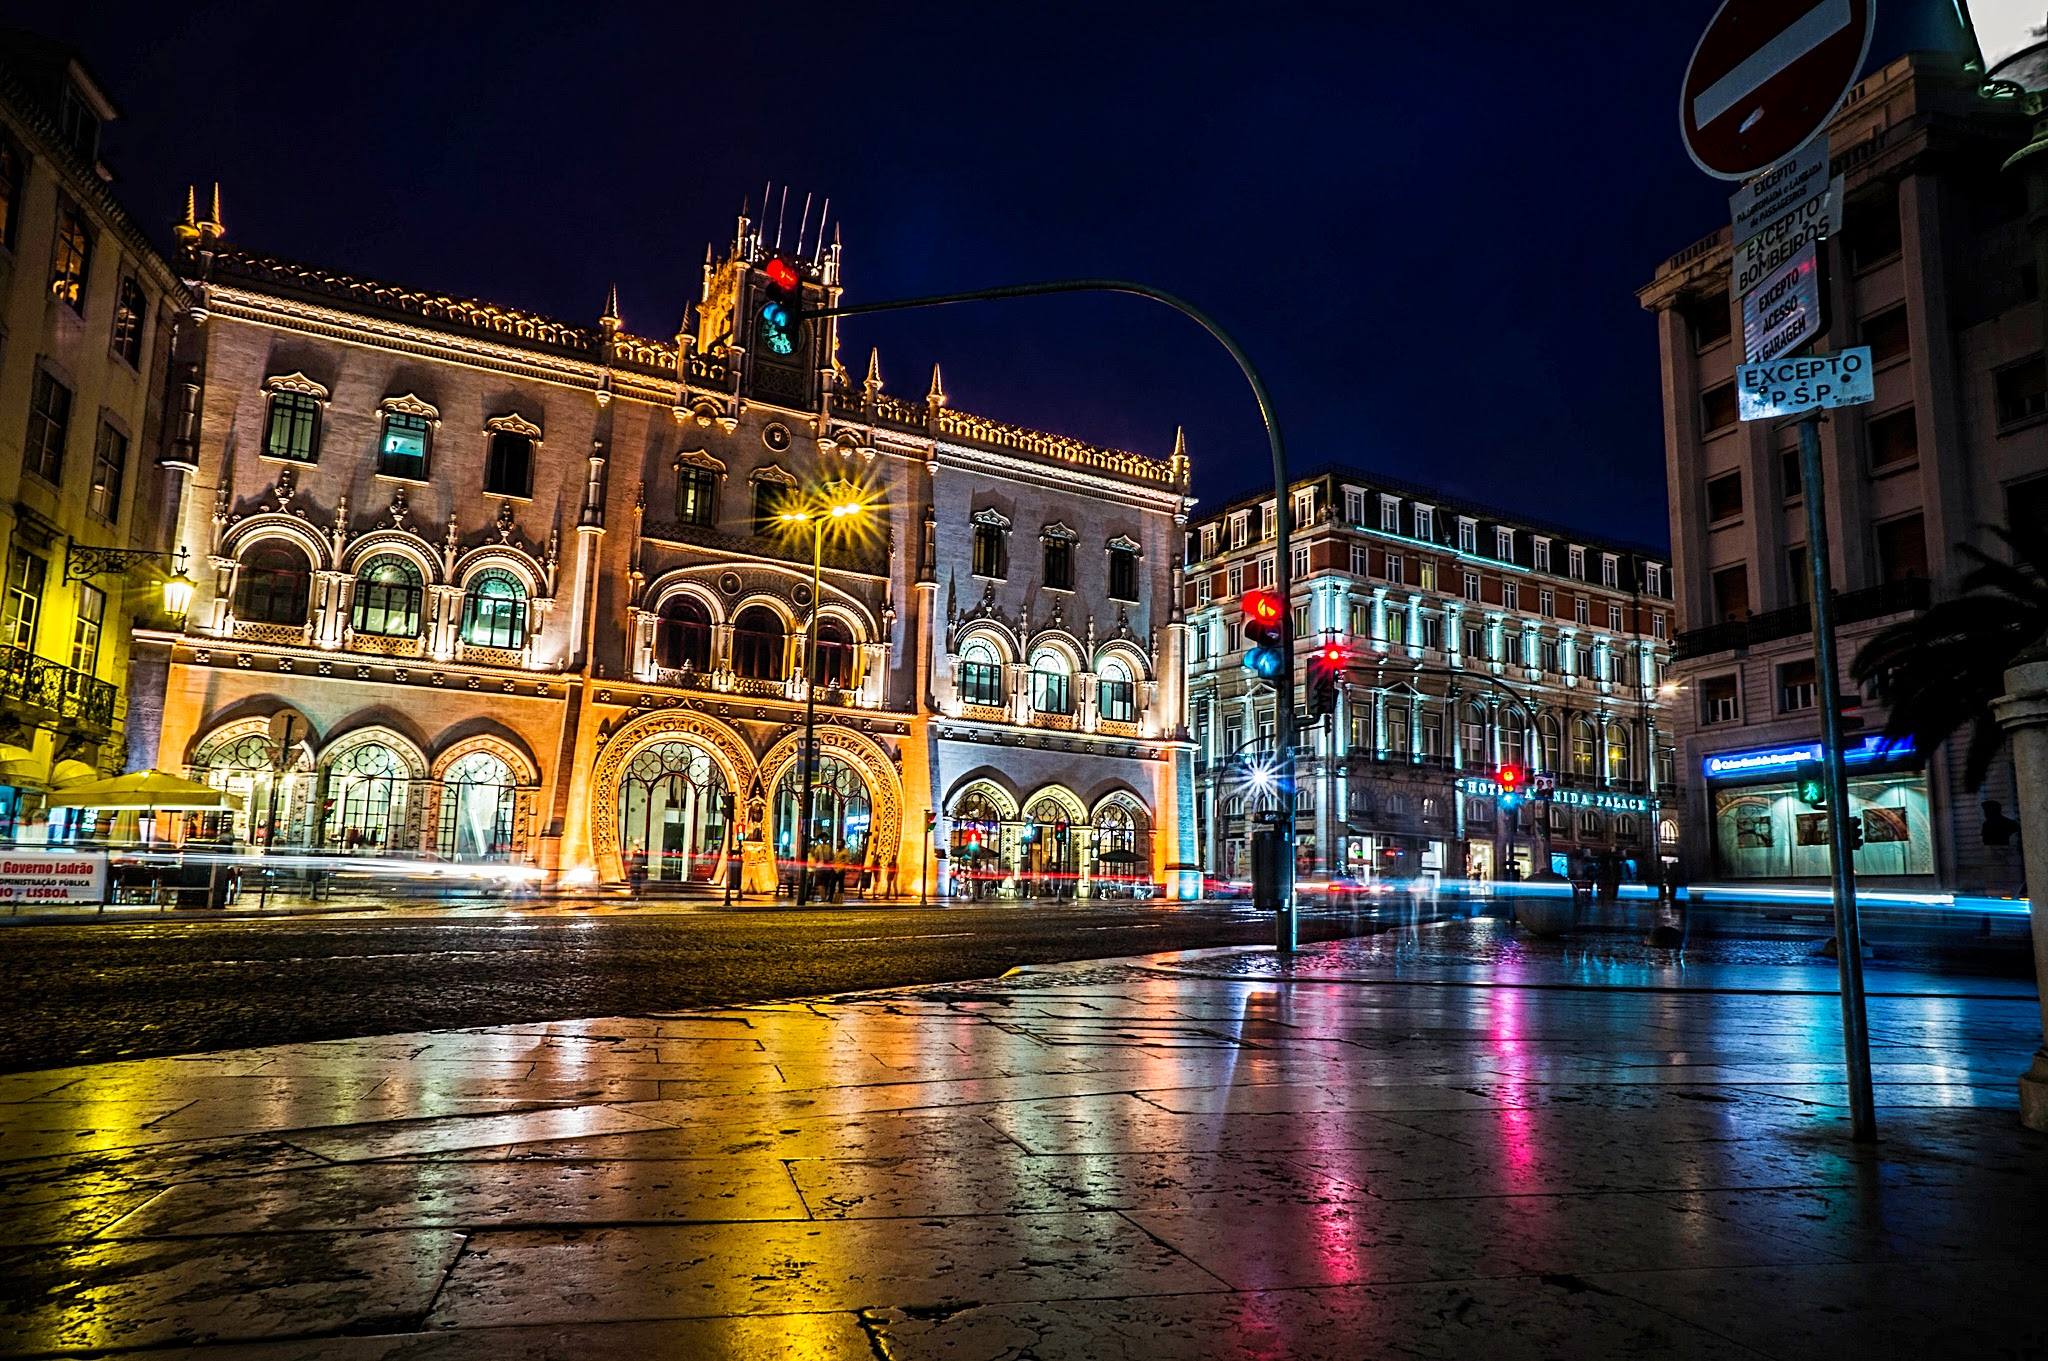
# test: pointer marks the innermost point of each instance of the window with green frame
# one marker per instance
(293, 430)
(494, 610)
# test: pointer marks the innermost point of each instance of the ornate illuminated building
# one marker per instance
(87, 332)
(484, 584)
(1472, 640)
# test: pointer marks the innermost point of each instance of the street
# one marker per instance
(95, 992)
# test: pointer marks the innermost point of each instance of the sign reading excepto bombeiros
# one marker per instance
(1781, 211)
(1786, 387)
(28, 877)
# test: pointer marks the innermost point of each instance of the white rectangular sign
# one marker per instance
(1780, 211)
(1784, 311)
(1785, 387)
(30, 877)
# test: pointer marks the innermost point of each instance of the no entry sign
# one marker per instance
(1766, 76)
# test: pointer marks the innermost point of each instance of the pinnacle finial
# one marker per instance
(1180, 443)
(214, 226)
(611, 306)
(187, 228)
(873, 385)
(937, 396)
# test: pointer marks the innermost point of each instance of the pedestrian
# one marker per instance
(892, 876)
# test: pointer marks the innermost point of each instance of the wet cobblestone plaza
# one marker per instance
(1150, 1158)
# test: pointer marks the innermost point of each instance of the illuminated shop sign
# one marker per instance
(1571, 798)
(1775, 760)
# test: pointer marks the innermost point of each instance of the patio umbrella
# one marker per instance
(1117, 857)
(147, 790)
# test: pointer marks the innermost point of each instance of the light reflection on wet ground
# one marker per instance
(1094, 1161)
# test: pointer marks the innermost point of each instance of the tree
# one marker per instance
(1940, 671)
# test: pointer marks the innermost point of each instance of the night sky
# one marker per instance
(1425, 223)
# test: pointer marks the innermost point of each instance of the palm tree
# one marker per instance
(1941, 670)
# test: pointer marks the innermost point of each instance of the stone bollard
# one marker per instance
(2023, 713)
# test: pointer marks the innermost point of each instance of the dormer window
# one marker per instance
(1504, 544)
(79, 123)
(1240, 529)
(508, 459)
(1541, 551)
(1425, 524)
(1468, 535)
(1390, 514)
(1577, 563)
(1610, 570)
(407, 439)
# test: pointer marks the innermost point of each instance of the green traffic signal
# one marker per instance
(1811, 782)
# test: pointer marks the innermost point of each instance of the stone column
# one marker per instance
(2023, 713)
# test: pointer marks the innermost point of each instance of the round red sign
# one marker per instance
(1766, 76)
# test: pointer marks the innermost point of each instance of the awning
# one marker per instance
(144, 789)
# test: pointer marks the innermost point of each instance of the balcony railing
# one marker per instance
(1874, 602)
(50, 692)
(848, 557)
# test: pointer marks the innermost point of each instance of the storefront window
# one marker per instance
(672, 814)
(1765, 831)
(841, 812)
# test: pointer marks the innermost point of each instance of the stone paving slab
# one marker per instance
(1100, 1161)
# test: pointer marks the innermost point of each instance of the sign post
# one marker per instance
(1763, 82)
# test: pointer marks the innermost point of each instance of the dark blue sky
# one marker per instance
(1426, 223)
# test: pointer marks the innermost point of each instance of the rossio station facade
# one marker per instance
(480, 585)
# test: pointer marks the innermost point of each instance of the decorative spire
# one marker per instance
(212, 228)
(610, 320)
(873, 385)
(187, 229)
(937, 396)
(1180, 443)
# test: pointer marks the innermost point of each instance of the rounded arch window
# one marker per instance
(1620, 752)
(1583, 742)
(673, 804)
(757, 643)
(682, 634)
(494, 610)
(1549, 738)
(273, 584)
(981, 673)
(1116, 692)
(388, 594)
(367, 788)
(832, 666)
(1472, 733)
(1051, 849)
(842, 812)
(1052, 682)
(477, 800)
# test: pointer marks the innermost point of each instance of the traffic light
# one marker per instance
(779, 311)
(1262, 634)
(1510, 780)
(1811, 781)
(1853, 833)
(1325, 670)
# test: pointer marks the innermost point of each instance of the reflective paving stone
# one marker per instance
(516, 1278)
(366, 1142)
(787, 1337)
(125, 1295)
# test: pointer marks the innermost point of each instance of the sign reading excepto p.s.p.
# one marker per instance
(1787, 309)
(1786, 387)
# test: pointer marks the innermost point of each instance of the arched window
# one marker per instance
(1116, 692)
(366, 798)
(1052, 682)
(508, 471)
(1589, 825)
(682, 634)
(477, 801)
(1583, 741)
(1619, 753)
(1549, 739)
(832, 667)
(757, 646)
(1472, 735)
(273, 584)
(494, 610)
(1667, 831)
(1432, 810)
(388, 593)
(981, 673)
(1514, 743)
(1625, 828)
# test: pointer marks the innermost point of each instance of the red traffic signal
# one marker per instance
(1509, 778)
(1262, 634)
(1261, 607)
(782, 274)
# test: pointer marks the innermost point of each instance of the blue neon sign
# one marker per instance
(1773, 760)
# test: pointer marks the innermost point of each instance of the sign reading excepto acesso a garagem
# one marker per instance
(1787, 309)
(1815, 382)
